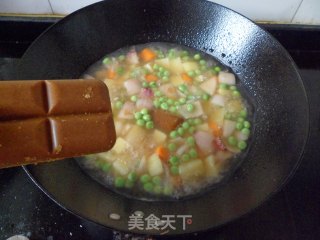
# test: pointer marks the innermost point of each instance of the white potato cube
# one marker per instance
(190, 66)
(155, 165)
(227, 78)
(191, 170)
(158, 137)
(209, 86)
(120, 146)
(121, 167)
(212, 171)
(228, 127)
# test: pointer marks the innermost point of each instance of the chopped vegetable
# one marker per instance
(228, 127)
(186, 78)
(216, 129)
(147, 55)
(154, 165)
(204, 141)
(151, 78)
(209, 86)
(227, 78)
(133, 86)
(163, 153)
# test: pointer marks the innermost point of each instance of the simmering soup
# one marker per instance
(180, 121)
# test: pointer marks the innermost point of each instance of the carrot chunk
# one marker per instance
(147, 55)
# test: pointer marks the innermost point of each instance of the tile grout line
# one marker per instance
(295, 13)
(52, 8)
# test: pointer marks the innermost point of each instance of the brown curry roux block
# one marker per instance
(165, 121)
(46, 120)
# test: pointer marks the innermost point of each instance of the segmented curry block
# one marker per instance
(180, 121)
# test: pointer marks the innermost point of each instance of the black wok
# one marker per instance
(266, 73)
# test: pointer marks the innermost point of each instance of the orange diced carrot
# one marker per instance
(111, 74)
(163, 153)
(151, 78)
(216, 130)
(147, 55)
(186, 78)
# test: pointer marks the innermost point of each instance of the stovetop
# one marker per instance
(292, 213)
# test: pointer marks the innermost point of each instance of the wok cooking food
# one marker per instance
(267, 77)
(180, 121)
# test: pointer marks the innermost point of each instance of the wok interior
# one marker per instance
(266, 74)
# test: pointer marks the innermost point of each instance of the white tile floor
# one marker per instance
(285, 11)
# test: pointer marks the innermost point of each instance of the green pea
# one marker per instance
(236, 93)
(243, 113)
(185, 157)
(157, 189)
(157, 180)
(161, 69)
(165, 78)
(192, 129)
(148, 187)
(180, 131)
(141, 122)
(146, 117)
(197, 56)
(174, 170)
(155, 66)
(157, 93)
(129, 184)
(203, 68)
(106, 60)
(132, 177)
(170, 101)
(167, 191)
(177, 103)
(190, 107)
(217, 69)
(174, 160)
(106, 167)
(182, 88)
(119, 182)
(185, 58)
(164, 106)
(166, 73)
(232, 140)
(228, 116)
(133, 98)
(191, 73)
(190, 97)
(173, 134)
(233, 88)
(121, 58)
(156, 103)
(149, 125)
(190, 141)
(242, 145)
(223, 86)
(202, 62)
(145, 178)
(138, 115)
(159, 74)
(193, 153)
(120, 70)
(184, 53)
(145, 84)
(173, 109)
(245, 131)
(185, 125)
(197, 72)
(206, 97)
(144, 111)
(172, 147)
(119, 104)
(197, 121)
(162, 99)
(246, 124)
(182, 100)
(239, 125)
(240, 119)
(153, 84)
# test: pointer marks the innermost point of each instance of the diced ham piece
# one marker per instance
(146, 93)
(144, 103)
(133, 86)
(204, 141)
(132, 57)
